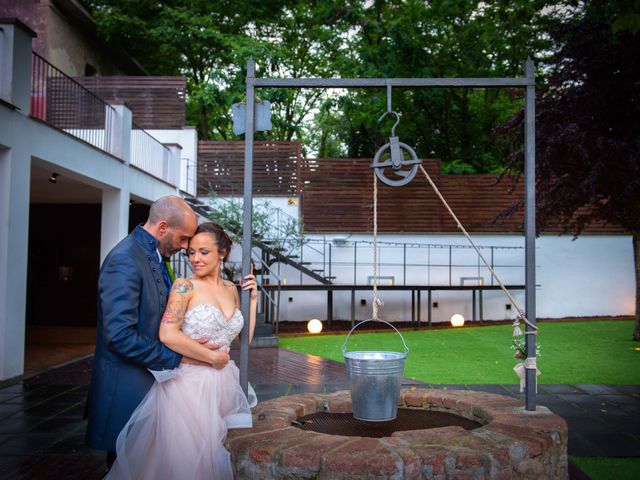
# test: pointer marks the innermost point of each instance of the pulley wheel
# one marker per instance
(395, 170)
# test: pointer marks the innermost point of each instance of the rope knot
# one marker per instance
(517, 331)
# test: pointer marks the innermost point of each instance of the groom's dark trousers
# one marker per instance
(131, 299)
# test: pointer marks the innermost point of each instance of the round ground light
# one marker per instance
(503, 440)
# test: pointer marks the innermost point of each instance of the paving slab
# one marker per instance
(42, 429)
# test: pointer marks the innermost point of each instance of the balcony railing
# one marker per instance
(65, 104)
(150, 155)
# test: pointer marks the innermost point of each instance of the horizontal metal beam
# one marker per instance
(431, 288)
(384, 82)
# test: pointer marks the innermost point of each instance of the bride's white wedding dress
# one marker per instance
(178, 430)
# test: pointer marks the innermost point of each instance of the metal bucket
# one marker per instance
(374, 378)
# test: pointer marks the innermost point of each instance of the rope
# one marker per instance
(377, 303)
(521, 314)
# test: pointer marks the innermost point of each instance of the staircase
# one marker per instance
(272, 252)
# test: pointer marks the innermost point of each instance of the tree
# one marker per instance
(201, 40)
(441, 38)
(209, 42)
(587, 128)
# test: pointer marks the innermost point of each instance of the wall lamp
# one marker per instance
(53, 178)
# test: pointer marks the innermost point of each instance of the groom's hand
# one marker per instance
(221, 359)
(202, 341)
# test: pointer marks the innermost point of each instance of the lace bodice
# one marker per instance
(206, 321)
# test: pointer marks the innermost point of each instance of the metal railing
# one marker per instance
(191, 171)
(67, 105)
(149, 154)
(404, 263)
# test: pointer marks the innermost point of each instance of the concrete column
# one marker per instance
(115, 219)
(115, 201)
(119, 123)
(15, 175)
(15, 63)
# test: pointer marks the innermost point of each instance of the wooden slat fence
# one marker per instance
(155, 102)
(336, 194)
(275, 172)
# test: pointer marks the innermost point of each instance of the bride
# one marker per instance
(178, 430)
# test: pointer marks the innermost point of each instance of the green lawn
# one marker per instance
(608, 468)
(570, 352)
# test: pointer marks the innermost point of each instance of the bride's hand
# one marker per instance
(220, 358)
(250, 284)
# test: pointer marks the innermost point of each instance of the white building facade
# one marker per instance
(34, 155)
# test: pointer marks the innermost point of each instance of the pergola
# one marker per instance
(528, 82)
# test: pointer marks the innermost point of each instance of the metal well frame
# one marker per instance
(528, 82)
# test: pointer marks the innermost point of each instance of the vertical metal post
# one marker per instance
(246, 225)
(449, 265)
(404, 264)
(492, 266)
(429, 266)
(324, 255)
(413, 306)
(530, 230)
(473, 305)
(355, 262)
(429, 311)
(353, 307)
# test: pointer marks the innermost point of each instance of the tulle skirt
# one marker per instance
(178, 430)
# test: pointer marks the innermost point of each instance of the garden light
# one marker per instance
(314, 325)
(457, 320)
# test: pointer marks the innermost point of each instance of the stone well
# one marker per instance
(511, 443)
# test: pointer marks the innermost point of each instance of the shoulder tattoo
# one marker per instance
(182, 286)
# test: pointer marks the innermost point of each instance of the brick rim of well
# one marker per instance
(512, 443)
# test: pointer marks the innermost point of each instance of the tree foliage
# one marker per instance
(202, 40)
(209, 42)
(587, 129)
(442, 39)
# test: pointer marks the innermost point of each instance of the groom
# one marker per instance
(133, 289)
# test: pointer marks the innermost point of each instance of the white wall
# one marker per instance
(187, 138)
(591, 276)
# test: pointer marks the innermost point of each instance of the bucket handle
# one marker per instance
(344, 345)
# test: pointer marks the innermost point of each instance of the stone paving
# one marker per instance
(42, 429)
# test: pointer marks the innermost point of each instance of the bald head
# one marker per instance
(172, 209)
(172, 222)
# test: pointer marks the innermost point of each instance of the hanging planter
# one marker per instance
(261, 117)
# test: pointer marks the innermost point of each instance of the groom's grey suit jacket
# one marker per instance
(131, 299)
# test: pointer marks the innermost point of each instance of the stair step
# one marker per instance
(318, 270)
(329, 277)
(304, 263)
(265, 342)
(259, 342)
(262, 330)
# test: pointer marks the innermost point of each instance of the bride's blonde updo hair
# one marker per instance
(222, 239)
